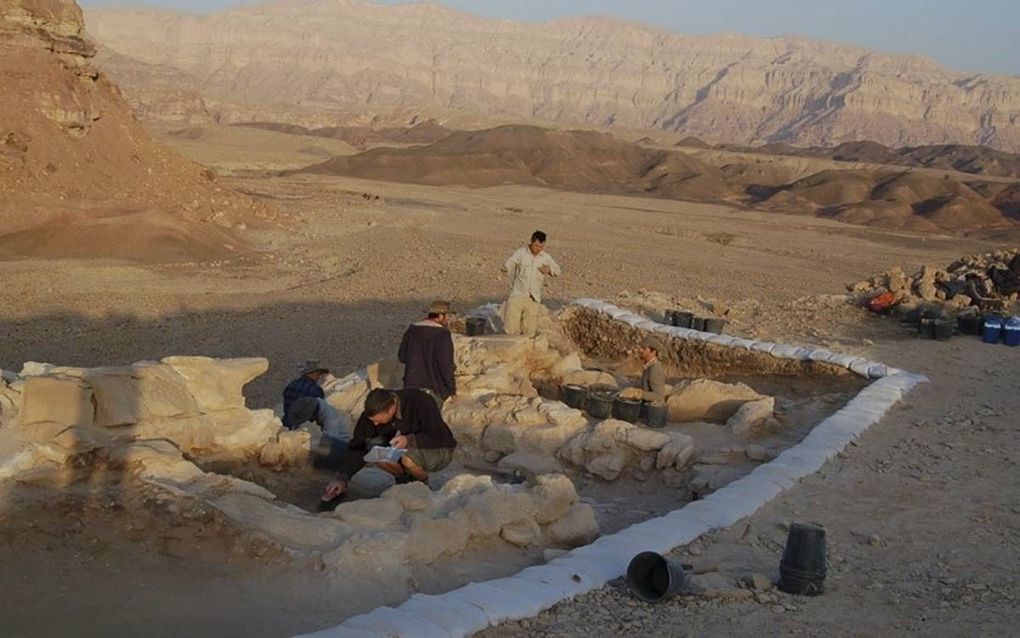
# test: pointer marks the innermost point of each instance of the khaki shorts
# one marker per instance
(431, 459)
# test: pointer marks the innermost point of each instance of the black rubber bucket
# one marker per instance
(681, 319)
(715, 326)
(600, 404)
(942, 330)
(628, 410)
(926, 329)
(576, 396)
(970, 324)
(802, 569)
(654, 416)
(698, 323)
(652, 577)
(475, 326)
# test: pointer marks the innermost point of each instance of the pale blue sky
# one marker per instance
(974, 35)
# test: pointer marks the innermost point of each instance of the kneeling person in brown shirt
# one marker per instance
(405, 419)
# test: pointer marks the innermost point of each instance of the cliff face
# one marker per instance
(79, 176)
(299, 57)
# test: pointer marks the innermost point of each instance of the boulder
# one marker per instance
(751, 420)
(715, 585)
(576, 528)
(382, 556)
(707, 400)
(217, 384)
(555, 495)
(589, 378)
(522, 533)
(488, 511)
(413, 497)
(143, 391)
(193, 434)
(643, 439)
(57, 401)
(677, 453)
(373, 513)
(566, 365)
(530, 463)
(291, 448)
(608, 466)
(428, 539)
(289, 526)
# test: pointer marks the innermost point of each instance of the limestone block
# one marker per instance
(709, 478)
(350, 399)
(560, 414)
(80, 440)
(464, 485)
(287, 525)
(590, 378)
(576, 528)
(750, 420)
(529, 463)
(643, 439)
(707, 400)
(676, 453)
(217, 384)
(488, 511)
(58, 400)
(609, 465)
(373, 513)
(554, 494)
(547, 439)
(290, 448)
(382, 555)
(48, 458)
(428, 539)
(501, 438)
(412, 497)
(522, 533)
(528, 416)
(243, 432)
(566, 365)
(136, 393)
(10, 398)
(388, 373)
(192, 433)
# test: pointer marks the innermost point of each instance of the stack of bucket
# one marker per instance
(684, 319)
(998, 329)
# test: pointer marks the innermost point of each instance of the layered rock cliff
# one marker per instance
(302, 58)
(79, 176)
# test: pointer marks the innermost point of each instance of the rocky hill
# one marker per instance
(79, 176)
(294, 60)
(593, 162)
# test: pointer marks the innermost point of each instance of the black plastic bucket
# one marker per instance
(970, 324)
(715, 326)
(802, 569)
(926, 328)
(654, 415)
(942, 330)
(600, 404)
(698, 323)
(652, 577)
(576, 396)
(628, 410)
(475, 326)
(681, 319)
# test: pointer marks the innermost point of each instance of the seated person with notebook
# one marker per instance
(407, 420)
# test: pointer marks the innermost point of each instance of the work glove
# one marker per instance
(631, 393)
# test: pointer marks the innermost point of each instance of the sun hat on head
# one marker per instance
(439, 307)
(653, 343)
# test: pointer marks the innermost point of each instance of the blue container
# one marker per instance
(1011, 331)
(993, 329)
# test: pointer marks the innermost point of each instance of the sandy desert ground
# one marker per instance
(923, 515)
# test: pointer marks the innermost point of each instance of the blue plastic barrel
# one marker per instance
(993, 329)
(1011, 331)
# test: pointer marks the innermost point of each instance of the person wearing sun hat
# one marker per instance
(426, 350)
(653, 375)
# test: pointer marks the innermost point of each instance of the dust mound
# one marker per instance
(73, 159)
(530, 155)
(693, 142)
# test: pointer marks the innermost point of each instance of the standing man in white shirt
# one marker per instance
(528, 267)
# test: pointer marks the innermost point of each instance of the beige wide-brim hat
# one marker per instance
(439, 307)
(313, 365)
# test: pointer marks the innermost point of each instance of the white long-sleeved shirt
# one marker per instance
(523, 267)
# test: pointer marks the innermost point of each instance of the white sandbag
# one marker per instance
(682, 333)
(558, 577)
(783, 351)
(646, 325)
(761, 491)
(617, 313)
(663, 329)
(733, 505)
(740, 342)
(725, 341)
(497, 603)
(860, 367)
(394, 623)
(594, 568)
(630, 319)
(878, 371)
(763, 346)
(341, 631)
(456, 616)
(768, 473)
(532, 597)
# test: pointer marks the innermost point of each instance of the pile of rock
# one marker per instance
(991, 273)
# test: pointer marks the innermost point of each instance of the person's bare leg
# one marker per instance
(414, 469)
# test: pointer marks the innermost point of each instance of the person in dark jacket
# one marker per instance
(404, 419)
(302, 395)
(427, 354)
